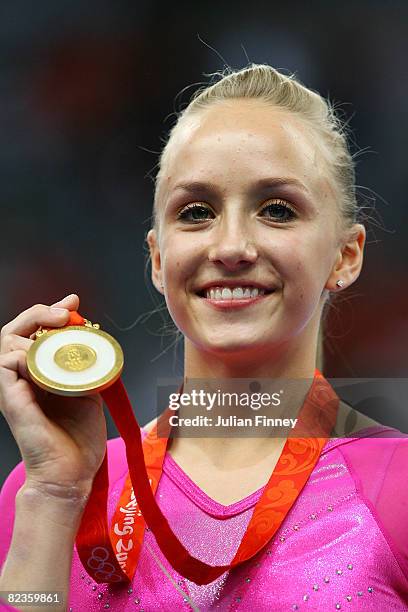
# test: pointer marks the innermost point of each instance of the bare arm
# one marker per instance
(40, 554)
(62, 441)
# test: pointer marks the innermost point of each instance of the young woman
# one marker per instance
(255, 227)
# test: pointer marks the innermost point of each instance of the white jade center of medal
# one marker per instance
(75, 357)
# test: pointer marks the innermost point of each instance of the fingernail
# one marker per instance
(63, 299)
(68, 296)
(58, 311)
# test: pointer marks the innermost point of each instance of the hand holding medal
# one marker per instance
(62, 440)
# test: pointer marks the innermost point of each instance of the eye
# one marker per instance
(196, 210)
(280, 207)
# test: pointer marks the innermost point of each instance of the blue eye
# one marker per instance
(197, 212)
(281, 205)
(193, 209)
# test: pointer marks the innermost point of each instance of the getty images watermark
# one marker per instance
(247, 407)
(226, 400)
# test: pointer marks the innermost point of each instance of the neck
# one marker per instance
(283, 361)
(229, 444)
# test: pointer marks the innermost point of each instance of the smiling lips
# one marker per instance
(237, 297)
(236, 293)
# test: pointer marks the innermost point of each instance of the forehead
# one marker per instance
(251, 137)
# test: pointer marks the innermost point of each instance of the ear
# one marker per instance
(349, 259)
(152, 241)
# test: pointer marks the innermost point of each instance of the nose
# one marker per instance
(232, 242)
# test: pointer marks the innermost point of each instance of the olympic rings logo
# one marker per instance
(105, 570)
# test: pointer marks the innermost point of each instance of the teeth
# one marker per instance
(237, 293)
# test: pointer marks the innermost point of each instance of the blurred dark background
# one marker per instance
(87, 94)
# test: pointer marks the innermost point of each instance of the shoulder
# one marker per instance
(378, 454)
(351, 421)
(366, 441)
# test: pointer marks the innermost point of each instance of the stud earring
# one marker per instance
(340, 283)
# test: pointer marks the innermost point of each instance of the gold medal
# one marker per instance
(74, 360)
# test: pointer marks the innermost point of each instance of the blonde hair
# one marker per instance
(266, 84)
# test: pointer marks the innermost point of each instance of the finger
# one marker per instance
(28, 321)
(12, 342)
(13, 366)
(15, 392)
(70, 301)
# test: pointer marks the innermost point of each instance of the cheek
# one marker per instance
(176, 265)
(289, 252)
(179, 265)
(297, 259)
(181, 254)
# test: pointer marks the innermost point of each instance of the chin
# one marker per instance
(234, 347)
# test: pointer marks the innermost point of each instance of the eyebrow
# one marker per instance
(194, 187)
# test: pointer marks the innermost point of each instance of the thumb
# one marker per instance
(70, 301)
